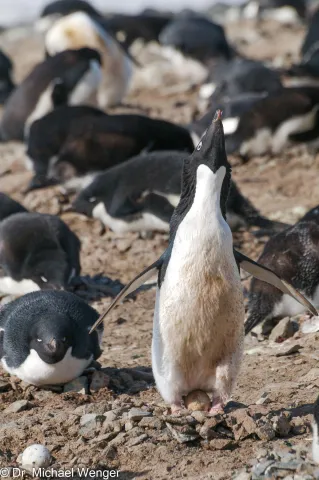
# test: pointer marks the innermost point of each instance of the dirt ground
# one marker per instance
(283, 188)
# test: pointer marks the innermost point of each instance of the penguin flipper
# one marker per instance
(266, 275)
(133, 285)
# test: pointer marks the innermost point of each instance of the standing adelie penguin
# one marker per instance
(37, 251)
(8, 206)
(44, 337)
(199, 313)
(69, 78)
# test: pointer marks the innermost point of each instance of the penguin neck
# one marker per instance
(204, 219)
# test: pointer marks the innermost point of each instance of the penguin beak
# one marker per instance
(211, 149)
(52, 345)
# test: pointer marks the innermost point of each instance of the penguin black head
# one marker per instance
(51, 337)
(211, 152)
(8, 206)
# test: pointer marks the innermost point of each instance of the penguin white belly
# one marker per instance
(36, 372)
(288, 306)
(86, 89)
(199, 314)
(147, 221)
(13, 287)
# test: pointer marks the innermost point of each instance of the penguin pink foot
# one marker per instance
(217, 406)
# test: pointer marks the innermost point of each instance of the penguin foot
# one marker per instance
(217, 406)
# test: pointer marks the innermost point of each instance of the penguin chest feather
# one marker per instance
(36, 372)
(200, 310)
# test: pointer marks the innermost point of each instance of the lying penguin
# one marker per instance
(199, 312)
(37, 251)
(196, 37)
(80, 30)
(6, 82)
(239, 76)
(70, 77)
(294, 255)
(274, 121)
(8, 206)
(68, 146)
(141, 194)
(44, 337)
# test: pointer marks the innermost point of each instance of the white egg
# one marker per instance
(35, 456)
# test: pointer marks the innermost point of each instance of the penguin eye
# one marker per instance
(64, 339)
(199, 146)
(44, 279)
(92, 199)
(39, 340)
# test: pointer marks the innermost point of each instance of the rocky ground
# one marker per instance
(114, 417)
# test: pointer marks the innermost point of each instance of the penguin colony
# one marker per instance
(137, 173)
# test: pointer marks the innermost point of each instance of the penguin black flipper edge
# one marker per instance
(266, 275)
(133, 285)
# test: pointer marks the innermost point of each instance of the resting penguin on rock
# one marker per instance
(274, 122)
(141, 194)
(80, 30)
(68, 146)
(44, 337)
(294, 255)
(199, 313)
(8, 206)
(6, 82)
(37, 251)
(70, 77)
(196, 37)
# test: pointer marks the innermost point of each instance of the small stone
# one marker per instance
(103, 440)
(78, 385)
(151, 422)
(199, 416)
(241, 423)
(18, 406)
(5, 384)
(311, 376)
(221, 444)
(281, 425)
(283, 330)
(287, 348)
(118, 440)
(264, 431)
(136, 414)
(110, 452)
(110, 416)
(89, 423)
(138, 440)
(123, 244)
(99, 380)
(129, 425)
(264, 399)
(243, 476)
(207, 430)
(182, 435)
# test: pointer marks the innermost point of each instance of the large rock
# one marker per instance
(283, 330)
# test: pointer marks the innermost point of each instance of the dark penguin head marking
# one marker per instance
(67, 77)
(45, 337)
(6, 82)
(8, 206)
(37, 251)
(55, 10)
